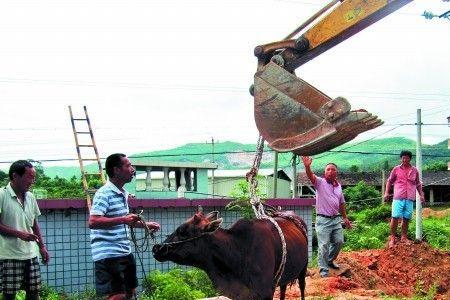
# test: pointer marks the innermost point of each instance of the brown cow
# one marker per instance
(241, 261)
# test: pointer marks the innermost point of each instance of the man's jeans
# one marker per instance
(330, 237)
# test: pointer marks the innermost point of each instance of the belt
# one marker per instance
(328, 217)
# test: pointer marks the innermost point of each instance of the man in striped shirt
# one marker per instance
(115, 267)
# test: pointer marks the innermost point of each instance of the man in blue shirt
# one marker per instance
(115, 267)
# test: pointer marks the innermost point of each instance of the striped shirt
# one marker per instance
(109, 201)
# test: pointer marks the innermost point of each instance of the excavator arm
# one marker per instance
(292, 115)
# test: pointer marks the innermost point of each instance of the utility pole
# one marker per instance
(275, 174)
(448, 120)
(212, 177)
(294, 173)
(384, 168)
(419, 168)
(383, 185)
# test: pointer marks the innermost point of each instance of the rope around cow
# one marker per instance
(258, 207)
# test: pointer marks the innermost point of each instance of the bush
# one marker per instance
(19, 296)
(372, 230)
(48, 293)
(241, 195)
(373, 216)
(361, 196)
(435, 231)
(178, 284)
(88, 294)
(366, 236)
(199, 280)
(436, 166)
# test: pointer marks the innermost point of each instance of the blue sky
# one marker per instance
(158, 74)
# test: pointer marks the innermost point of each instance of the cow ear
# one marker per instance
(197, 218)
(214, 215)
(214, 225)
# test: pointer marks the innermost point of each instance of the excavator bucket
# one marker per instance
(292, 115)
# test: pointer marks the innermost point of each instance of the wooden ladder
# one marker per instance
(89, 192)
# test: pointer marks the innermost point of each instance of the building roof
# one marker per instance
(436, 178)
(142, 163)
(217, 174)
(238, 173)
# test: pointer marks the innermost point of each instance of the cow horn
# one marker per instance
(212, 216)
(214, 225)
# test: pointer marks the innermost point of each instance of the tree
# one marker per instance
(3, 178)
(436, 166)
(430, 15)
(354, 169)
(361, 196)
(241, 195)
(56, 188)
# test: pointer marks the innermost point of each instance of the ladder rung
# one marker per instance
(88, 191)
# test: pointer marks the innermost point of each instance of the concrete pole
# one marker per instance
(448, 164)
(294, 173)
(275, 174)
(383, 185)
(148, 180)
(166, 180)
(212, 173)
(419, 168)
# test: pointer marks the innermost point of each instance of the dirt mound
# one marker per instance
(428, 212)
(404, 270)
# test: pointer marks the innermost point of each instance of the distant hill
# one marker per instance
(231, 155)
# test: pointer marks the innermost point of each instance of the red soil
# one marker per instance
(404, 270)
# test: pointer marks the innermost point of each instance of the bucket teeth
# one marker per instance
(292, 115)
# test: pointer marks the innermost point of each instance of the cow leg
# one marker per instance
(260, 296)
(283, 291)
(264, 293)
(302, 282)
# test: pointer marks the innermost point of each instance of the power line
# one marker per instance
(235, 152)
(376, 198)
(207, 88)
(365, 141)
(383, 153)
(445, 15)
(415, 124)
(437, 108)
